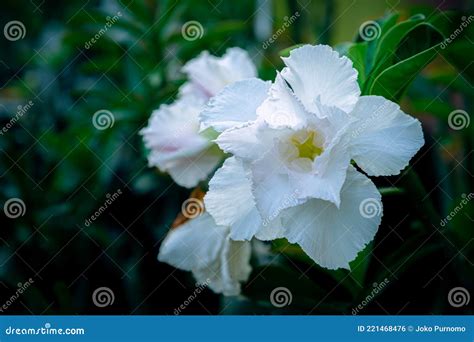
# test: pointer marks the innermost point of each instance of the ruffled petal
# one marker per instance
(328, 177)
(282, 108)
(319, 71)
(188, 172)
(384, 139)
(235, 105)
(271, 186)
(333, 236)
(243, 142)
(203, 247)
(194, 245)
(175, 145)
(210, 74)
(230, 200)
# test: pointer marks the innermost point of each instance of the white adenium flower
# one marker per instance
(201, 246)
(292, 144)
(173, 135)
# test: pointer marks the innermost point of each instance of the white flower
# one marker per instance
(174, 137)
(201, 246)
(292, 144)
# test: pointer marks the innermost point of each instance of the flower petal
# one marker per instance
(243, 142)
(230, 200)
(231, 268)
(328, 177)
(175, 145)
(188, 172)
(271, 230)
(319, 71)
(194, 245)
(333, 237)
(271, 186)
(384, 139)
(201, 246)
(282, 108)
(210, 74)
(234, 105)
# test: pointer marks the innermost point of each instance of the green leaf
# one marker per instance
(393, 81)
(387, 46)
(415, 52)
(357, 53)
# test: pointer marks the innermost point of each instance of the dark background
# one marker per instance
(62, 167)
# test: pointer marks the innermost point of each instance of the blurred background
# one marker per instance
(75, 58)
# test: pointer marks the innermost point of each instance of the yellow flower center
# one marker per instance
(307, 148)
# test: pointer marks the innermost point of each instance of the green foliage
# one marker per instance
(62, 167)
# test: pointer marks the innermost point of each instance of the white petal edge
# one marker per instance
(202, 247)
(194, 245)
(235, 105)
(318, 71)
(384, 139)
(230, 201)
(333, 237)
(188, 172)
(210, 74)
(282, 109)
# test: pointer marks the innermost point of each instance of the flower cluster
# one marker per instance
(298, 150)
